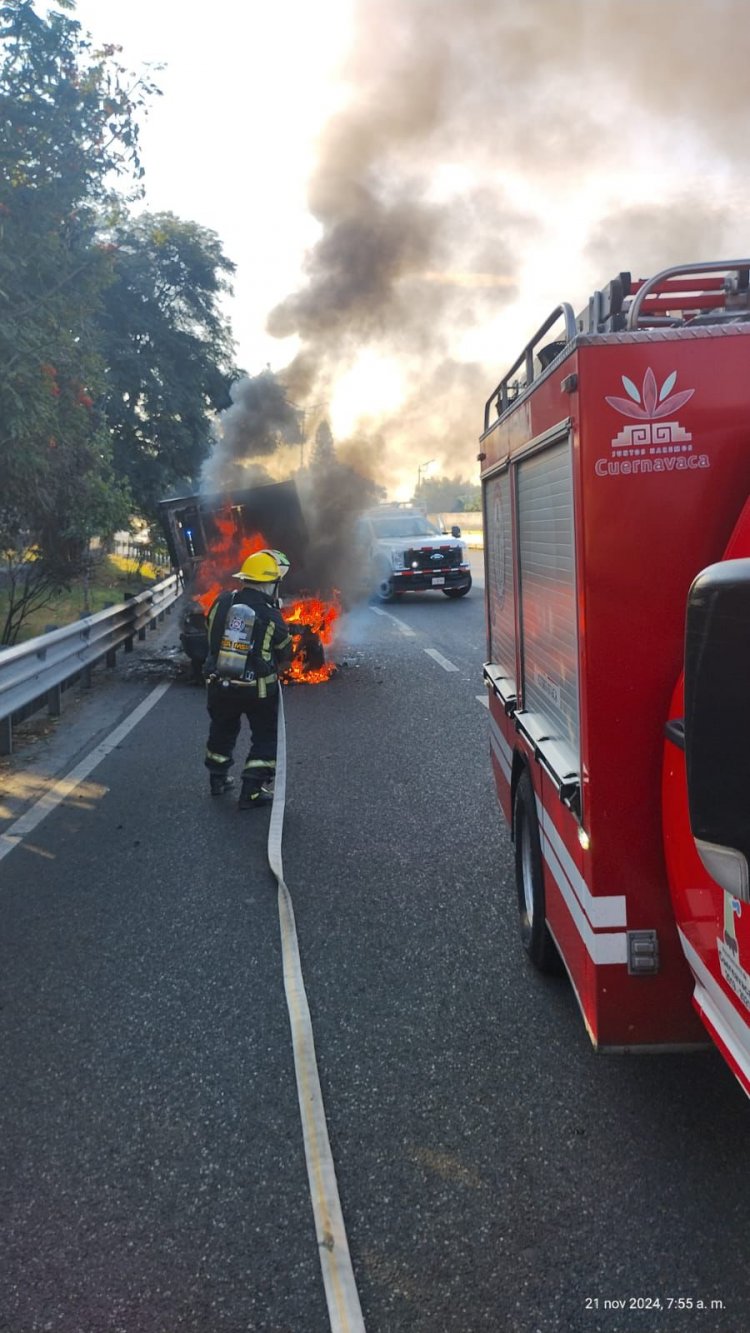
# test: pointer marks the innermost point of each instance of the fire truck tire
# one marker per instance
(457, 592)
(535, 936)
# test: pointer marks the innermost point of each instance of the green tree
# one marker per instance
(168, 351)
(67, 128)
(323, 451)
(448, 494)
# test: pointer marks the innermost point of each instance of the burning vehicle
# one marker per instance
(209, 536)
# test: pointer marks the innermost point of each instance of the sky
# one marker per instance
(230, 142)
(409, 187)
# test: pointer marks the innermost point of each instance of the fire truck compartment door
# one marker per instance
(548, 607)
(717, 721)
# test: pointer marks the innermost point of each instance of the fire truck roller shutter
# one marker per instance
(535, 936)
(548, 608)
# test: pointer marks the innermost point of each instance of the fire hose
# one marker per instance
(344, 1310)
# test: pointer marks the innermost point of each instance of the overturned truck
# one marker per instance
(209, 536)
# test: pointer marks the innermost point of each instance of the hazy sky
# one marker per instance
(230, 144)
(408, 187)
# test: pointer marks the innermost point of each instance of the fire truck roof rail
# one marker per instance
(506, 392)
(677, 295)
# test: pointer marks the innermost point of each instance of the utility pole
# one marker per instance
(421, 469)
(303, 414)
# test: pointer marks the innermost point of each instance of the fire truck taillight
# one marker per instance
(584, 839)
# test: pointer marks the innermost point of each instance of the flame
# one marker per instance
(227, 550)
(224, 558)
(310, 613)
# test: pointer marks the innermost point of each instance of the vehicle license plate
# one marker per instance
(437, 582)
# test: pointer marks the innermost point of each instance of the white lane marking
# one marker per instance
(442, 661)
(483, 699)
(62, 789)
(344, 1310)
(405, 629)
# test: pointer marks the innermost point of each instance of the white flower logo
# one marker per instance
(650, 404)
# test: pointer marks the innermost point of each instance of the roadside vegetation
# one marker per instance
(114, 351)
(450, 494)
(107, 583)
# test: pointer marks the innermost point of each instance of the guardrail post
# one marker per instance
(6, 736)
(54, 701)
(111, 658)
(86, 678)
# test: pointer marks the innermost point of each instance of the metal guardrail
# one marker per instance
(35, 672)
(143, 553)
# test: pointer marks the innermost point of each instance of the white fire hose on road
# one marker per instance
(344, 1310)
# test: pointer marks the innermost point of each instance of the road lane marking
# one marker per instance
(405, 629)
(342, 1298)
(483, 699)
(62, 789)
(442, 661)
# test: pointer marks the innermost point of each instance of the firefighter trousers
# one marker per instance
(227, 705)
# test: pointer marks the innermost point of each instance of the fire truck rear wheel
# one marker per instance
(535, 936)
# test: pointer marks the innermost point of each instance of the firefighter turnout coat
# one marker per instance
(247, 643)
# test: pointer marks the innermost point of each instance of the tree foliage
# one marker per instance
(323, 451)
(448, 494)
(113, 351)
(168, 352)
(67, 124)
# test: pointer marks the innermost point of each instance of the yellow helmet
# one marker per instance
(281, 560)
(259, 568)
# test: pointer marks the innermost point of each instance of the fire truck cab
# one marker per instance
(615, 466)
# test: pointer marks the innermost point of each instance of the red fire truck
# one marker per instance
(616, 473)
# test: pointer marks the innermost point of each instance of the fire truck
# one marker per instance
(615, 466)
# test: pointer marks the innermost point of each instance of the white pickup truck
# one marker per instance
(406, 552)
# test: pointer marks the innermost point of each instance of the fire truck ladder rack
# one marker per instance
(691, 295)
(683, 295)
(508, 390)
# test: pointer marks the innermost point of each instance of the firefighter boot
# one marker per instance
(220, 782)
(252, 794)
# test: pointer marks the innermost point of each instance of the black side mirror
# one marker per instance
(717, 721)
(455, 530)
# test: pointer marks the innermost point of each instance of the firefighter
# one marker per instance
(247, 643)
(281, 560)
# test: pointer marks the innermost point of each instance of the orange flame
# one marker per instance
(224, 558)
(319, 617)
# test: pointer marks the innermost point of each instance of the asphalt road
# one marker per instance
(494, 1173)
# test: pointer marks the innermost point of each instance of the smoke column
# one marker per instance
(476, 129)
(472, 134)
